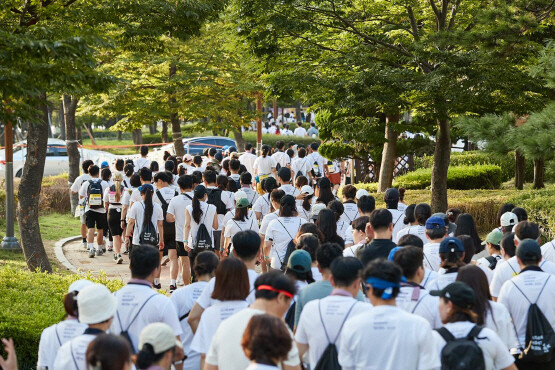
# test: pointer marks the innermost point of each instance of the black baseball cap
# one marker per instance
(529, 250)
(391, 195)
(459, 293)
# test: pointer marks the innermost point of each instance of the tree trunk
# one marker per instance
(62, 121)
(29, 193)
(70, 106)
(442, 156)
(50, 132)
(298, 111)
(539, 171)
(137, 136)
(520, 170)
(79, 134)
(174, 119)
(241, 142)
(389, 154)
(165, 138)
(120, 135)
(152, 129)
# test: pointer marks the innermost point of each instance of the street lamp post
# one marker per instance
(10, 241)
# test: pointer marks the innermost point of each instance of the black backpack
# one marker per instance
(461, 353)
(290, 316)
(492, 262)
(291, 247)
(328, 360)
(203, 240)
(540, 337)
(149, 235)
(215, 198)
(169, 227)
(94, 194)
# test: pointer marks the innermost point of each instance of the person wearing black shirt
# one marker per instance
(381, 223)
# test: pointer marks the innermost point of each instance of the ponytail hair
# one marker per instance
(70, 304)
(146, 356)
(307, 202)
(147, 190)
(200, 192)
(118, 178)
(129, 170)
(265, 151)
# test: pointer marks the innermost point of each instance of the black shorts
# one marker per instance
(217, 237)
(114, 222)
(181, 251)
(97, 219)
(169, 236)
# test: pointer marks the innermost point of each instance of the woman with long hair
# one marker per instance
(128, 171)
(456, 309)
(222, 182)
(304, 205)
(242, 219)
(338, 211)
(310, 243)
(415, 218)
(263, 205)
(466, 226)
(490, 314)
(154, 167)
(327, 224)
(265, 165)
(134, 183)
(199, 212)
(323, 191)
(231, 289)
(109, 352)
(113, 203)
(185, 298)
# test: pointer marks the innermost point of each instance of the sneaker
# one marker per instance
(119, 260)
(91, 253)
(165, 260)
(172, 288)
(126, 251)
(180, 281)
(85, 245)
(157, 286)
(99, 252)
(110, 248)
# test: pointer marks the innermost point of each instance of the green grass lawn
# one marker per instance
(113, 142)
(53, 226)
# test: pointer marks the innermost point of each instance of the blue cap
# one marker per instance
(435, 222)
(146, 187)
(451, 245)
(104, 165)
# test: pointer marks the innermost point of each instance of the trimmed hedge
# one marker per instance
(458, 177)
(472, 158)
(32, 301)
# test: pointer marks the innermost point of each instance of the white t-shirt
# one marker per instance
(137, 212)
(206, 218)
(262, 205)
(290, 190)
(387, 338)
(348, 237)
(158, 308)
(320, 163)
(210, 320)
(272, 130)
(282, 158)
(76, 186)
(226, 352)
(83, 192)
(227, 200)
(548, 251)
(280, 231)
(110, 197)
(303, 213)
(431, 256)
(183, 300)
(352, 250)
(286, 132)
(205, 300)
(126, 198)
(332, 312)
(247, 160)
(177, 209)
(420, 303)
(53, 337)
(418, 230)
(252, 195)
(496, 355)
(398, 217)
(263, 165)
(300, 131)
(530, 283)
(442, 281)
(429, 276)
(72, 354)
(506, 270)
(350, 214)
(302, 165)
(483, 262)
(266, 221)
(342, 227)
(499, 320)
(232, 226)
(140, 163)
(167, 193)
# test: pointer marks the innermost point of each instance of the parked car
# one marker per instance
(193, 146)
(57, 161)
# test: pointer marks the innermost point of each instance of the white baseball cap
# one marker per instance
(160, 336)
(509, 219)
(78, 285)
(96, 304)
(361, 193)
(316, 210)
(187, 158)
(307, 189)
(240, 195)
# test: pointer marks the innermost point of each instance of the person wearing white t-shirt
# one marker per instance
(231, 289)
(280, 157)
(95, 212)
(455, 307)
(300, 130)
(247, 158)
(273, 129)
(358, 235)
(391, 198)
(322, 320)
(137, 303)
(451, 252)
(185, 298)
(350, 212)
(493, 247)
(264, 165)
(263, 204)
(274, 292)
(239, 219)
(548, 251)
(199, 212)
(284, 179)
(80, 209)
(96, 307)
(53, 337)
(246, 186)
(301, 165)
(281, 232)
(436, 232)
(398, 339)
(247, 248)
(112, 201)
(413, 297)
(304, 205)
(142, 212)
(286, 131)
(319, 164)
(365, 205)
(421, 213)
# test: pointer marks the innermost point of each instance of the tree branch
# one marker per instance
(413, 24)
(453, 15)
(436, 12)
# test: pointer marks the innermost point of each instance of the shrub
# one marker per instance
(506, 162)
(460, 177)
(32, 301)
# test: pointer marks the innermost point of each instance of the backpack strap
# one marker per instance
(541, 291)
(416, 305)
(427, 278)
(395, 224)
(73, 356)
(474, 332)
(516, 286)
(188, 196)
(162, 200)
(446, 334)
(183, 317)
(340, 327)
(57, 335)
(125, 184)
(137, 315)
(427, 260)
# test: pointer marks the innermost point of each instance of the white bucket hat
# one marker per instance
(96, 304)
(79, 285)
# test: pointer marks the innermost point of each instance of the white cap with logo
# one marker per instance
(509, 219)
(160, 336)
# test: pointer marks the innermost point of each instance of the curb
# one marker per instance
(58, 249)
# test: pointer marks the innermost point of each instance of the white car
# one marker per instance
(192, 146)
(57, 161)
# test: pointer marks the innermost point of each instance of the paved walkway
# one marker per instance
(79, 258)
